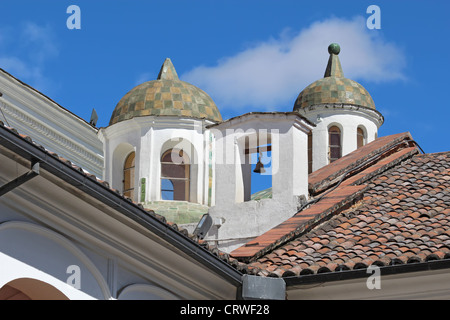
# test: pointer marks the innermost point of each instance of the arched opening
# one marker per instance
(175, 175)
(30, 289)
(115, 165)
(334, 143)
(128, 175)
(254, 172)
(261, 170)
(360, 137)
(10, 293)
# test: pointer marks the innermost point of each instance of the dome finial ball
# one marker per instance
(334, 48)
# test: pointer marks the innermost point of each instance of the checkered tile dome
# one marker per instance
(166, 96)
(334, 88)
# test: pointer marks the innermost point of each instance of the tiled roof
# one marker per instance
(357, 168)
(263, 194)
(334, 88)
(401, 216)
(322, 179)
(166, 96)
(393, 209)
(180, 212)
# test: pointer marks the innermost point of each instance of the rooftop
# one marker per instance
(384, 204)
(394, 209)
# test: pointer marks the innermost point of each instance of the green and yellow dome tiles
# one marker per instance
(166, 96)
(334, 88)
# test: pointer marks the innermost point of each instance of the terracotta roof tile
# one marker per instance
(299, 223)
(377, 157)
(323, 178)
(397, 227)
(397, 216)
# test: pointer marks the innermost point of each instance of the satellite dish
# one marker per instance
(94, 118)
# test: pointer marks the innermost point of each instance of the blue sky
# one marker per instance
(248, 55)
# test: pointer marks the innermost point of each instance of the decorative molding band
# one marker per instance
(374, 114)
(64, 143)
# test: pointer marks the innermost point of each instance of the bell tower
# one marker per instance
(342, 110)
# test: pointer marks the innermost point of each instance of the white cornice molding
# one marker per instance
(272, 118)
(39, 103)
(56, 138)
(154, 122)
(372, 114)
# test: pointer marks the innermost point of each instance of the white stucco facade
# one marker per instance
(240, 218)
(149, 137)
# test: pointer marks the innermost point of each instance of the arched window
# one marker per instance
(175, 175)
(360, 137)
(334, 143)
(128, 176)
(167, 190)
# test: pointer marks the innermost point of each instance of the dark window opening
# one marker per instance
(334, 142)
(360, 137)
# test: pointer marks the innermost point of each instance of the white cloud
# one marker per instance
(269, 75)
(25, 51)
(40, 38)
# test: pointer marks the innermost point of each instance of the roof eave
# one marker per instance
(31, 152)
(363, 272)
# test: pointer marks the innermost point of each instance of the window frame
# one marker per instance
(129, 172)
(331, 130)
(173, 179)
(360, 137)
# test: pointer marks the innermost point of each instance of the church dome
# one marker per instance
(334, 88)
(166, 96)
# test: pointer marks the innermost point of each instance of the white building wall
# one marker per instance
(150, 137)
(237, 218)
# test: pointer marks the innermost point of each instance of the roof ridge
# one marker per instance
(327, 176)
(300, 223)
(401, 222)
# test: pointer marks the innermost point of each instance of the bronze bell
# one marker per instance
(259, 168)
